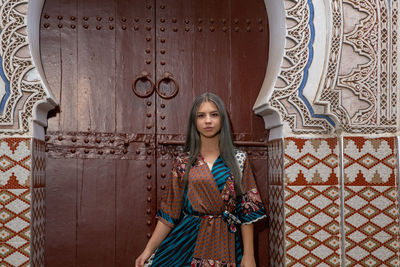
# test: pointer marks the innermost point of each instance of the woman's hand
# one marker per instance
(248, 261)
(142, 258)
(159, 234)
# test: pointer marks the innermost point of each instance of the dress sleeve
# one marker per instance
(249, 205)
(172, 200)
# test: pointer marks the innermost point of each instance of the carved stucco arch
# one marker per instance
(277, 34)
(320, 87)
(42, 107)
(304, 70)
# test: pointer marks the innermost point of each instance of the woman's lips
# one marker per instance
(208, 128)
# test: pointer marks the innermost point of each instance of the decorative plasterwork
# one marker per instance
(371, 83)
(355, 87)
(20, 74)
(287, 96)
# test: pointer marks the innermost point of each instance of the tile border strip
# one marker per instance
(342, 219)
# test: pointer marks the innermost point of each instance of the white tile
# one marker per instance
(16, 241)
(322, 251)
(321, 202)
(382, 202)
(296, 202)
(382, 220)
(17, 224)
(297, 235)
(356, 202)
(17, 206)
(297, 219)
(16, 259)
(297, 252)
(321, 219)
(357, 253)
(357, 236)
(356, 220)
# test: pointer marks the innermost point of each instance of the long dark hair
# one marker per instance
(226, 146)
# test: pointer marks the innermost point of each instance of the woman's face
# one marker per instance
(208, 120)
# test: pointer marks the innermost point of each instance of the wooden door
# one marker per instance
(125, 74)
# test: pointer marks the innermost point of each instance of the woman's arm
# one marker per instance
(248, 245)
(159, 234)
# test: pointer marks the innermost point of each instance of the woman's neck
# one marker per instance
(209, 146)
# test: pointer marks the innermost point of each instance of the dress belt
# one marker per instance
(226, 216)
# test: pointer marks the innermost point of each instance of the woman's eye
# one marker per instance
(200, 115)
(215, 114)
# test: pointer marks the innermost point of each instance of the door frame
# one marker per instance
(277, 34)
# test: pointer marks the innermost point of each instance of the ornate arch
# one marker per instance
(24, 94)
(308, 89)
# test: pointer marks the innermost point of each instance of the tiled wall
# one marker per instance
(276, 214)
(371, 201)
(312, 201)
(38, 202)
(15, 201)
(322, 184)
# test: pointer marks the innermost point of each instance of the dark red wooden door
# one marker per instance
(109, 148)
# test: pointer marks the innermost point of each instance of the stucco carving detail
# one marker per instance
(286, 97)
(24, 88)
(371, 82)
(355, 96)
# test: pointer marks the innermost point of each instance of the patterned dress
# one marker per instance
(205, 216)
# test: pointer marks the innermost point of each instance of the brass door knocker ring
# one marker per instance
(166, 78)
(144, 76)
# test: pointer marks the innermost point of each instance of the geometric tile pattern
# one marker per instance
(276, 230)
(38, 163)
(15, 201)
(312, 225)
(38, 226)
(14, 227)
(38, 203)
(369, 161)
(371, 225)
(15, 163)
(275, 203)
(312, 208)
(311, 161)
(275, 162)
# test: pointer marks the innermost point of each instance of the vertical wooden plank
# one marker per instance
(96, 213)
(50, 52)
(174, 42)
(69, 65)
(249, 48)
(96, 64)
(135, 53)
(212, 49)
(61, 195)
(135, 205)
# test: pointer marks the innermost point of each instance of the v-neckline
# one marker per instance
(210, 166)
(220, 184)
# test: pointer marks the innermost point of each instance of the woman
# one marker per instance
(212, 196)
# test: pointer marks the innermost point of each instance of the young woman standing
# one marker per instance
(212, 196)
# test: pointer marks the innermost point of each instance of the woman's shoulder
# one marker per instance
(240, 154)
(182, 157)
(240, 158)
(180, 161)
